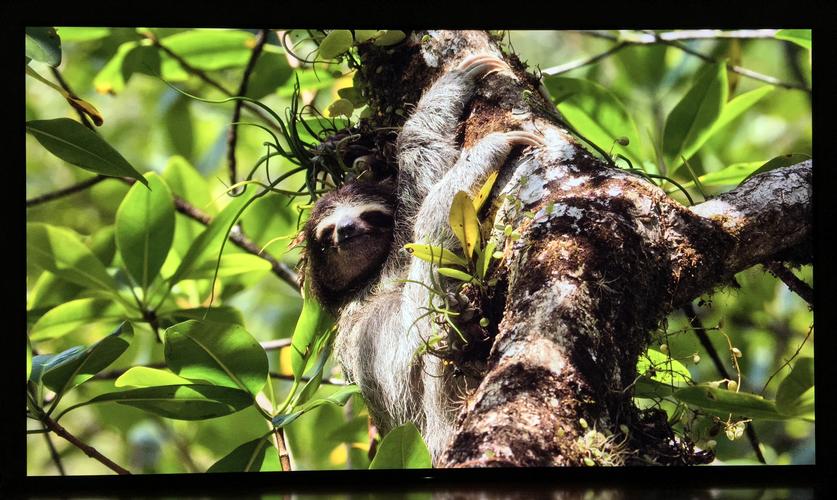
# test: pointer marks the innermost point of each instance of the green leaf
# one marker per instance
(76, 144)
(179, 130)
(402, 448)
(220, 353)
(484, 260)
(209, 243)
(722, 402)
(663, 369)
(435, 255)
(251, 456)
(690, 122)
(340, 107)
(736, 106)
(231, 265)
(143, 376)
(389, 37)
(79, 34)
(180, 402)
(799, 37)
(145, 229)
(779, 162)
(455, 274)
(339, 398)
(43, 44)
(78, 364)
(67, 317)
(596, 113)
(335, 43)
(645, 64)
(216, 314)
(364, 35)
(313, 383)
(111, 79)
(186, 182)
(271, 72)
(464, 223)
(732, 175)
(60, 252)
(211, 49)
(313, 322)
(28, 360)
(795, 396)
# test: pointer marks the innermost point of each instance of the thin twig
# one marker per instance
(795, 284)
(53, 452)
(232, 137)
(672, 39)
(64, 85)
(54, 195)
(700, 331)
(281, 449)
(564, 68)
(206, 78)
(87, 449)
(788, 361)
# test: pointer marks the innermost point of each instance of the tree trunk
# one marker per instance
(606, 256)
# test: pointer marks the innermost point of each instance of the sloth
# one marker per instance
(360, 271)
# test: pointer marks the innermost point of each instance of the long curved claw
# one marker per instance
(477, 66)
(525, 138)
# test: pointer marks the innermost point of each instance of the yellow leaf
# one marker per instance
(464, 223)
(479, 201)
(434, 254)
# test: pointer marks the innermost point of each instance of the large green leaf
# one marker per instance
(313, 322)
(74, 143)
(271, 72)
(180, 402)
(722, 402)
(211, 49)
(663, 369)
(221, 353)
(143, 376)
(78, 364)
(402, 448)
(735, 108)
(795, 397)
(67, 317)
(335, 43)
(231, 265)
(252, 456)
(145, 229)
(60, 252)
(216, 314)
(690, 122)
(799, 37)
(596, 113)
(43, 44)
(210, 241)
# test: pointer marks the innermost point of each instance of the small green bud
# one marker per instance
(696, 358)
(583, 423)
(484, 322)
(664, 348)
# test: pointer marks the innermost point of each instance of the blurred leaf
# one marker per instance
(270, 73)
(145, 229)
(79, 34)
(143, 376)
(178, 122)
(779, 162)
(28, 360)
(364, 35)
(251, 456)
(70, 316)
(43, 44)
(103, 244)
(74, 143)
(339, 398)
(59, 251)
(50, 290)
(389, 37)
(220, 353)
(313, 322)
(733, 109)
(732, 175)
(645, 64)
(795, 396)
(402, 448)
(309, 80)
(799, 37)
(340, 107)
(690, 122)
(78, 364)
(335, 43)
(211, 49)
(185, 181)
(210, 241)
(181, 402)
(110, 79)
(435, 255)
(596, 113)
(464, 223)
(722, 402)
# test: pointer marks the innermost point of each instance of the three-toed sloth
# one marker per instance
(359, 270)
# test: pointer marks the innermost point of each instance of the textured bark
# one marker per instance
(606, 256)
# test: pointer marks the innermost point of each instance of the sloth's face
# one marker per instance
(349, 237)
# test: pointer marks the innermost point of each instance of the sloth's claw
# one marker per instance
(477, 66)
(525, 138)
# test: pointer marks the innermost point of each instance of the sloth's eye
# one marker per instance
(377, 219)
(326, 235)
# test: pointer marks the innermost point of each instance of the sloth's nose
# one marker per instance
(346, 229)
